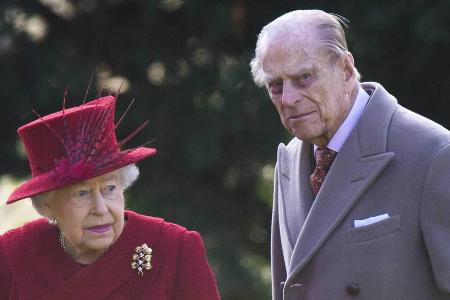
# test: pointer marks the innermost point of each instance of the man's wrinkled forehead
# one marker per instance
(288, 33)
(282, 61)
(290, 53)
(285, 35)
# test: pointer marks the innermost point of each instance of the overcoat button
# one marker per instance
(353, 288)
(282, 284)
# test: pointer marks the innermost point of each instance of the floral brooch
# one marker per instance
(141, 259)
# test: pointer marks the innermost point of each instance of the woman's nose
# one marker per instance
(99, 205)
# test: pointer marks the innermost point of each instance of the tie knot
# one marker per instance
(324, 158)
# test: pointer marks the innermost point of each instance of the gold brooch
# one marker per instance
(141, 259)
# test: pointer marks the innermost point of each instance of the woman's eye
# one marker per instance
(110, 188)
(83, 193)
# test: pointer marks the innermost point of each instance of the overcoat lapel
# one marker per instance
(362, 158)
(294, 192)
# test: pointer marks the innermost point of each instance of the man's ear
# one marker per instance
(349, 66)
(349, 71)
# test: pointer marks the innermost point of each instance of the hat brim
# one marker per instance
(46, 182)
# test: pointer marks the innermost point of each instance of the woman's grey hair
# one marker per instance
(127, 176)
(329, 29)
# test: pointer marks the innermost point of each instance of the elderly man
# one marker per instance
(362, 192)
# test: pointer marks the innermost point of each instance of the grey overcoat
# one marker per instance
(394, 162)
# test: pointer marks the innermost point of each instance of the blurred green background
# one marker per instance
(186, 63)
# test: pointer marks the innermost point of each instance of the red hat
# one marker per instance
(74, 145)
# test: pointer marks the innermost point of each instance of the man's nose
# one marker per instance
(290, 94)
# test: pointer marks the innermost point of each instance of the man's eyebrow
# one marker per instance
(301, 71)
(270, 79)
(304, 70)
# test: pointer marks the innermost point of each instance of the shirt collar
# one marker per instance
(350, 122)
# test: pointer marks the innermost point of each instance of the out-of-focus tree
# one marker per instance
(186, 63)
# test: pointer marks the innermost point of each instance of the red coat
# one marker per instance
(34, 266)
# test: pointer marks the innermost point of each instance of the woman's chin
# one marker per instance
(99, 243)
(100, 238)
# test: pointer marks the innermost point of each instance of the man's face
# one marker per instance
(311, 91)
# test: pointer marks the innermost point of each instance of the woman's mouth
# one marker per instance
(99, 228)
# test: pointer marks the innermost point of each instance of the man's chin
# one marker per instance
(310, 138)
(301, 135)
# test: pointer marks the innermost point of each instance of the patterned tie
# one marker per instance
(324, 160)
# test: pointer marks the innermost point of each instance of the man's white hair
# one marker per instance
(127, 176)
(329, 29)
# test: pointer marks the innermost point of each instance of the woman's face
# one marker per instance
(90, 214)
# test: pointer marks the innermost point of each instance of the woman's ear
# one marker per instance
(46, 209)
(46, 205)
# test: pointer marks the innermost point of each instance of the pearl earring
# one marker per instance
(52, 221)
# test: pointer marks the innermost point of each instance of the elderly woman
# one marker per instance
(88, 246)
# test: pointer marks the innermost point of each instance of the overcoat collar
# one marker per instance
(361, 159)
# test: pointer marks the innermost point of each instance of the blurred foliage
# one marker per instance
(186, 63)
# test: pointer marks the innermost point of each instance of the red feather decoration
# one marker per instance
(87, 147)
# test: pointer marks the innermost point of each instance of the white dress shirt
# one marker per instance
(350, 122)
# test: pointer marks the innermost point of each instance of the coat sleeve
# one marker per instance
(195, 279)
(276, 252)
(5, 274)
(435, 217)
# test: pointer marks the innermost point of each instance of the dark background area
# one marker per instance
(186, 63)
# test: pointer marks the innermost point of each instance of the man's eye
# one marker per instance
(275, 87)
(304, 77)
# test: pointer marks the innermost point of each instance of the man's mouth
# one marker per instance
(299, 116)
